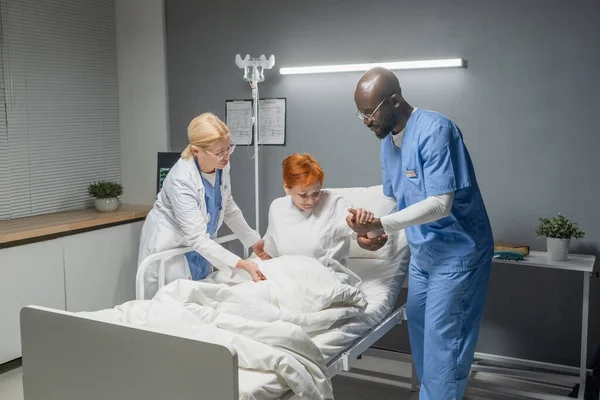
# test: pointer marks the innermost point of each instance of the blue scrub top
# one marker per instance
(199, 266)
(434, 161)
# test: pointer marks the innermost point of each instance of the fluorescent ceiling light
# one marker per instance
(447, 63)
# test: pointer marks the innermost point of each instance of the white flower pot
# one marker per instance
(558, 249)
(107, 205)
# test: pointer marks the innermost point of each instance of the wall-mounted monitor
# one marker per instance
(166, 161)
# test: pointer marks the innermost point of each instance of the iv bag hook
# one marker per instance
(253, 74)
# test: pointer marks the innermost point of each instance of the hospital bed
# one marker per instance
(68, 356)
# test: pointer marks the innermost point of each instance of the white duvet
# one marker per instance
(266, 322)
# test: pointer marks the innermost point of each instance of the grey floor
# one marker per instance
(11, 385)
(355, 389)
(346, 388)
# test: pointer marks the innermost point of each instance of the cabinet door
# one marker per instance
(100, 267)
(29, 275)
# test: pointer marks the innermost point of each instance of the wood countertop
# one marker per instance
(52, 224)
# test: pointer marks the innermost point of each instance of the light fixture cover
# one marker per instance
(445, 63)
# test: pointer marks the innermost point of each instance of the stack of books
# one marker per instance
(514, 248)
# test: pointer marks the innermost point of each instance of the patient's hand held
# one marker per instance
(362, 221)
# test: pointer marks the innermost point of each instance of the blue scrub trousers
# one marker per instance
(444, 313)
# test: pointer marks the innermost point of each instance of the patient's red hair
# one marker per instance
(301, 170)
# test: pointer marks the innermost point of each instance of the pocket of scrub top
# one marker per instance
(452, 243)
(413, 187)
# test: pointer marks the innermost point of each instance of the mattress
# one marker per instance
(382, 282)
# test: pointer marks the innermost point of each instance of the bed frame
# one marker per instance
(70, 357)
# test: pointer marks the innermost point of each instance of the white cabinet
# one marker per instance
(100, 267)
(31, 274)
(83, 272)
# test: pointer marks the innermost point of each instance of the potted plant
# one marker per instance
(106, 194)
(558, 232)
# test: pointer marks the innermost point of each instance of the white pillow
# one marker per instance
(373, 199)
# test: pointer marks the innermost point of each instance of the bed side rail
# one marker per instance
(162, 257)
(342, 362)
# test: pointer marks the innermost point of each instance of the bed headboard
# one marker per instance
(68, 357)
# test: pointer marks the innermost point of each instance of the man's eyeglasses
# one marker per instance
(362, 115)
(221, 156)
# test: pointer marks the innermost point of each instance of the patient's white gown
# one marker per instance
(321, 233)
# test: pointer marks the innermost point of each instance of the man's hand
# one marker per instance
(259, 249)
(372, 244)
(362, 221)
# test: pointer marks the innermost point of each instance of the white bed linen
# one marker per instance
(382, 281)
(268, 323)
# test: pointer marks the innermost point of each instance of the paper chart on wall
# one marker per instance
(271, 117)
(239, 121)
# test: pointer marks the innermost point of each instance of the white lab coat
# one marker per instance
(179, 218)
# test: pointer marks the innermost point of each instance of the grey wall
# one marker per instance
(527, 106)
(143, 114)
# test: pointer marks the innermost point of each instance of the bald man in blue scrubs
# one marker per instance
(427, 169)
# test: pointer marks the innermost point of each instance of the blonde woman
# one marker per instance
(194, 202)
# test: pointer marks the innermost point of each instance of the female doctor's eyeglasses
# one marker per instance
(363, 116)
(221, 156)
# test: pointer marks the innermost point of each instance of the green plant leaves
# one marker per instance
(105, 189)
(558, 227)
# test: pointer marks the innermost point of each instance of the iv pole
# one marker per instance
(254, 73)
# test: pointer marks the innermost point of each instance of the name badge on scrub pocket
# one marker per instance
(411, 173)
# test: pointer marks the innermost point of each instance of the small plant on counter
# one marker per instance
(558, 227)
(107, 195)
(105, 189)
(558, 231)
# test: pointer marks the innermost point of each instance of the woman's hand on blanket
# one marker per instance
(259, 249)
(371, 244)
(362, 221)
(252, 269)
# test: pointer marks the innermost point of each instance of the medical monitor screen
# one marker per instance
(166, 161)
